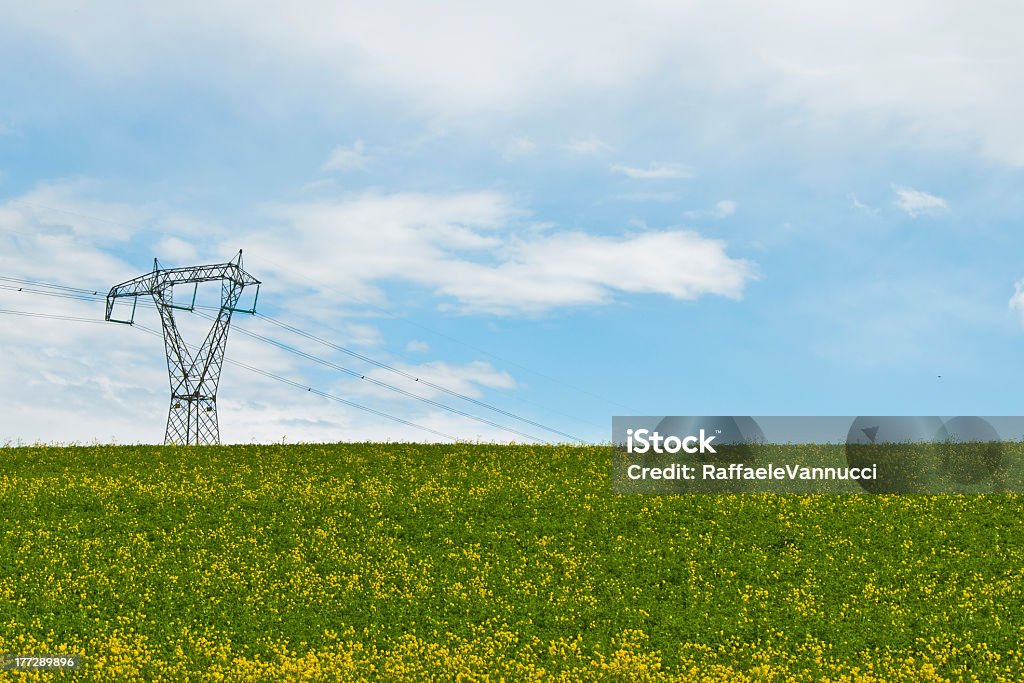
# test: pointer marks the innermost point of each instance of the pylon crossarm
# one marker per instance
(164, 278)
(211, 273)
(144, 284)
(140, 286)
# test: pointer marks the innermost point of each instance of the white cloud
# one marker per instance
(363, 335)
(417, 346)
(52, 234)
(188, 228)
(347, 247)
(467, 247)
(175, 250)
(62, 208)
(861, 206)
(588, 145)
(942, 77)
(724, 208)
(518, 147)
(721, 209)
(574, 268)
(659, 171)
(348, 158)
(77, 381)
(915, 202)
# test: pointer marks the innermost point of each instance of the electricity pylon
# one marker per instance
(192, 418)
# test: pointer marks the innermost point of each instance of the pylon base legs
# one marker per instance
(192, 421)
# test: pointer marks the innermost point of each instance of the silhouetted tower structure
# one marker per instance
(192, 418)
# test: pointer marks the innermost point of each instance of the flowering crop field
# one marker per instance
(481, 562)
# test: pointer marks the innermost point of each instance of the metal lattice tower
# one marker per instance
(194, 377)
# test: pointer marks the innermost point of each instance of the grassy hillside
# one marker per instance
(374, 561)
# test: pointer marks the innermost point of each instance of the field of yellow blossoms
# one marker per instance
(487, 563)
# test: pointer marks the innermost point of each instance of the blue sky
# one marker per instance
(652, 209)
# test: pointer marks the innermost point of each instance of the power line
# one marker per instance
(62, 295)
(290, 349)
(91, 292)
(88, 295)
(537, 373)
(50, 316)
(73, 293)
(414, 378)
(318, 392)
(31, 286)
(94, 296)
(270, 375)
(377, 382)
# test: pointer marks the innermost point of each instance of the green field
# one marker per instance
(375, 561)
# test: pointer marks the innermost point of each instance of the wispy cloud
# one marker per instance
(464, 248)
(575, 269)
(721, 209)
(861, 206)
(518, 147)
(417, 346)
(662, 197)
(657, 171)
(588, 145)
(915, 202)
(344, 158)
(363, 335)
(175, 250)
